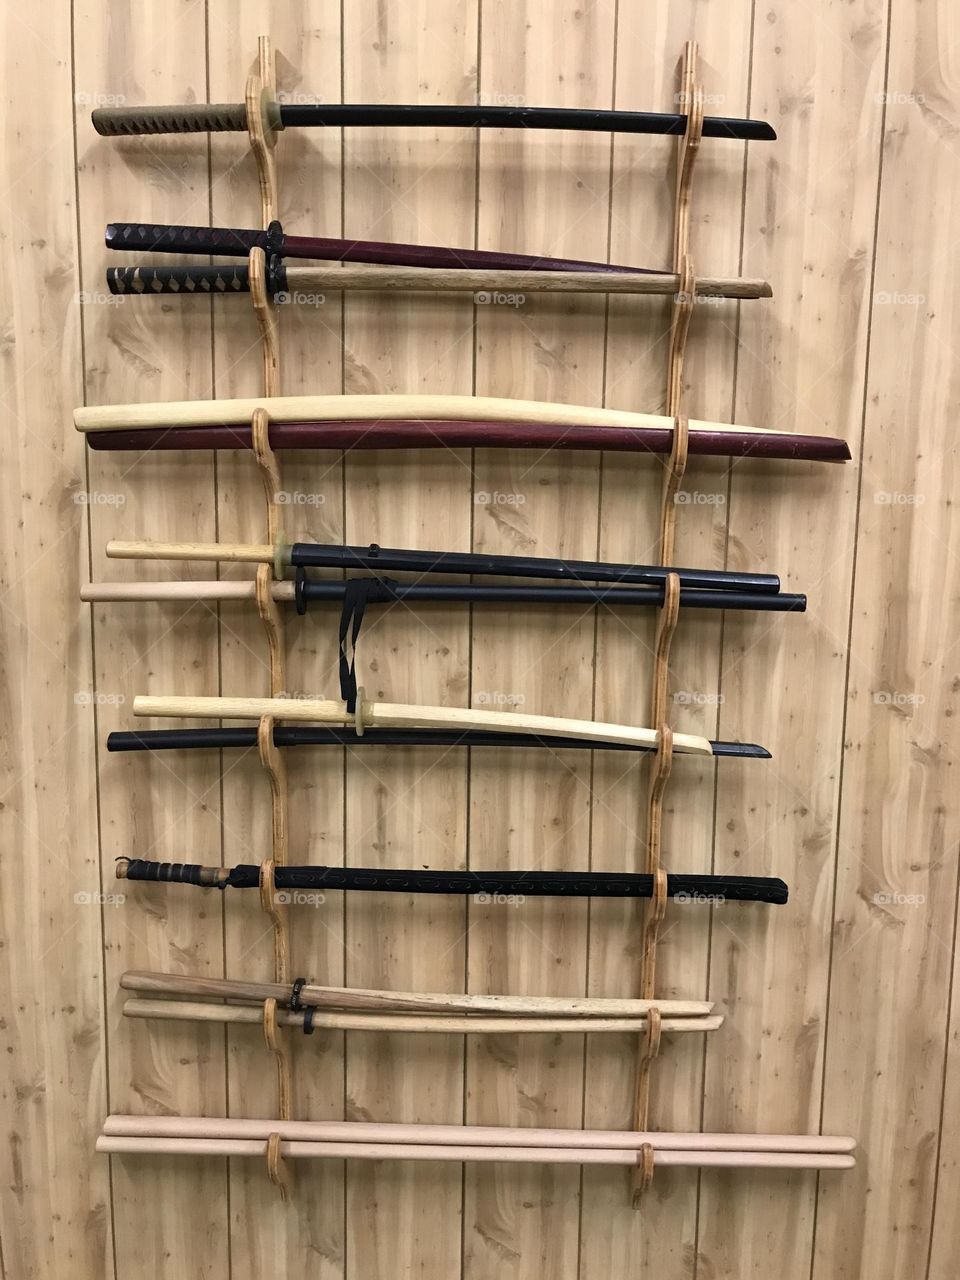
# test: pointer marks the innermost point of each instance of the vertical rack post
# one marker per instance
(259, 99)
(691, 102)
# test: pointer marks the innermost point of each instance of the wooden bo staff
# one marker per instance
(237, 242)
(364, 1131)
(200, 1136)
(302, 994)
(305, 591)
(394, 715)
(327, 736)
(415, 421)
(311, 1020)
(283, 556)
(233, 1148)
(209, 117)
(284, 284)
(493, 884)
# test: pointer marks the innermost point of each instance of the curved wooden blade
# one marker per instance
(425, 410)
(393, 715)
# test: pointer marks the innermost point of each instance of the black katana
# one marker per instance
(492, 884)
(323, 736)
(322, 555)
(210, 117)
(236, 242)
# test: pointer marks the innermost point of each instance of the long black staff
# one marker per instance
(496, 885)
(209, 117)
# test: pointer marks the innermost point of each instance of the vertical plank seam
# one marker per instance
(850, 612)
(91, 623)
(345, 916)
(468, 833)
(225, 1042)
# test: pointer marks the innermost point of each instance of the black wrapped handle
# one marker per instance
(153, 238)
(193, 280)
(201, 117)
(513, 884)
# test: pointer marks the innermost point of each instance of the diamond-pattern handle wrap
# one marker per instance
(203, 117)
(158, 280)
(151, 238)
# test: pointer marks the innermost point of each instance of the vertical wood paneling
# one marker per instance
(406, 807)
(895, 915)
(809, 227)
(841, 1008)
(662, 1235)
(539, 192)
(267, 1233)
(154, 807)
(55, 1211)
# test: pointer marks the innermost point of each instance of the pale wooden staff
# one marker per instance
(215, 589)
(412, 1001)
(423, 408)
(437, 1023)
(475, 1154)
(446, 279)
(393, 715)
(460, 1135)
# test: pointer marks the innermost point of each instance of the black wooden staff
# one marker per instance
(209, 117)
(237, 242)
(493, 884)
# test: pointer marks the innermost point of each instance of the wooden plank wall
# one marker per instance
(842, 1008)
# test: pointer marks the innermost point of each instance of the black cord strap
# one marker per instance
(358, 592)
(298, 985)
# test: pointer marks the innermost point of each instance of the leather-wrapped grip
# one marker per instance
(201, 117)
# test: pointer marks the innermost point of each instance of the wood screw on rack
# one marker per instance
(691, 102)
(259, 96)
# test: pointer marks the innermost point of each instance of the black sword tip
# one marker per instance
(743, 750)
